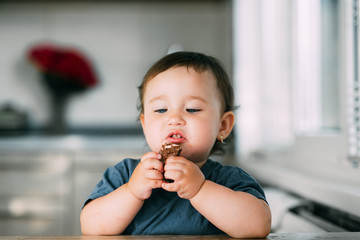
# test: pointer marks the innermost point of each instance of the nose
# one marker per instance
(176, 118)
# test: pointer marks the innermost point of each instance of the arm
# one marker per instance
(238, 214)
(112, 213)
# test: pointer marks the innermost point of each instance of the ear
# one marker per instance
(226, 125)
(142, 120)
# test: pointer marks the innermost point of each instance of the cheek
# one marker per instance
(206, 132)
(152, 132)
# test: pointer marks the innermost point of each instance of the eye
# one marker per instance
(193, 110)
(161, 110)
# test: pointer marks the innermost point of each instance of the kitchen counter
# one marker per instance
(273, 236)
(332, 192)
(73, 142)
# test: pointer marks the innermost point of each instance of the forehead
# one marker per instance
(180, 78)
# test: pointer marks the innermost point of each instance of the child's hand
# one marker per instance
(187, 176)
(147, 175)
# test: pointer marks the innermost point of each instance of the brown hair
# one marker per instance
(200, 63)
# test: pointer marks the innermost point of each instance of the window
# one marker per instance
(294, 61)
(287, 71)
(297, 83)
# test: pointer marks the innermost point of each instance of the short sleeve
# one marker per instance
(234, 178)
(242, 181)
(113, 178)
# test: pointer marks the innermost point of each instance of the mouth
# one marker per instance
(175, 137)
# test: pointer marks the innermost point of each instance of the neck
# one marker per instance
(201, 164)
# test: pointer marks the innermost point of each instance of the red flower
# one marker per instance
(67, 63)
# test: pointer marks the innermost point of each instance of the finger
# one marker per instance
(176, 159)
(173, 175)
(156, 183)
(170, 187)
(152, 163)
(154, 174)
(179, 166)
(150, 155)
(178, 163)
(174, 166)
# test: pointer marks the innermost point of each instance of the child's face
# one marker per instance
(182, 106)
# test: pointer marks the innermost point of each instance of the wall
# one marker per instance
(122, 39)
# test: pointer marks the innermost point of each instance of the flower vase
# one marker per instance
(64, 71)
(57, 123)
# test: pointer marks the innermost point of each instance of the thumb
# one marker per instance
(170, 187)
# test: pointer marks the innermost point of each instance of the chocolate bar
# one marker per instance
(169, 149)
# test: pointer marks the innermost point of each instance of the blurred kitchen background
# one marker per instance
(295, 70)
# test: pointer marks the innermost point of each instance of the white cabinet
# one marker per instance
(35, 191)
(43, 185)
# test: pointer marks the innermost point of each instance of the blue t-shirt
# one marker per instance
(165, 212)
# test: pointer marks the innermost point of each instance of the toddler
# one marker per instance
(185, 98)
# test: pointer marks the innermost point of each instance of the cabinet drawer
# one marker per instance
(31, 215)
(24, 227)
(19, 207)
(34, 161)
(32, 183)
